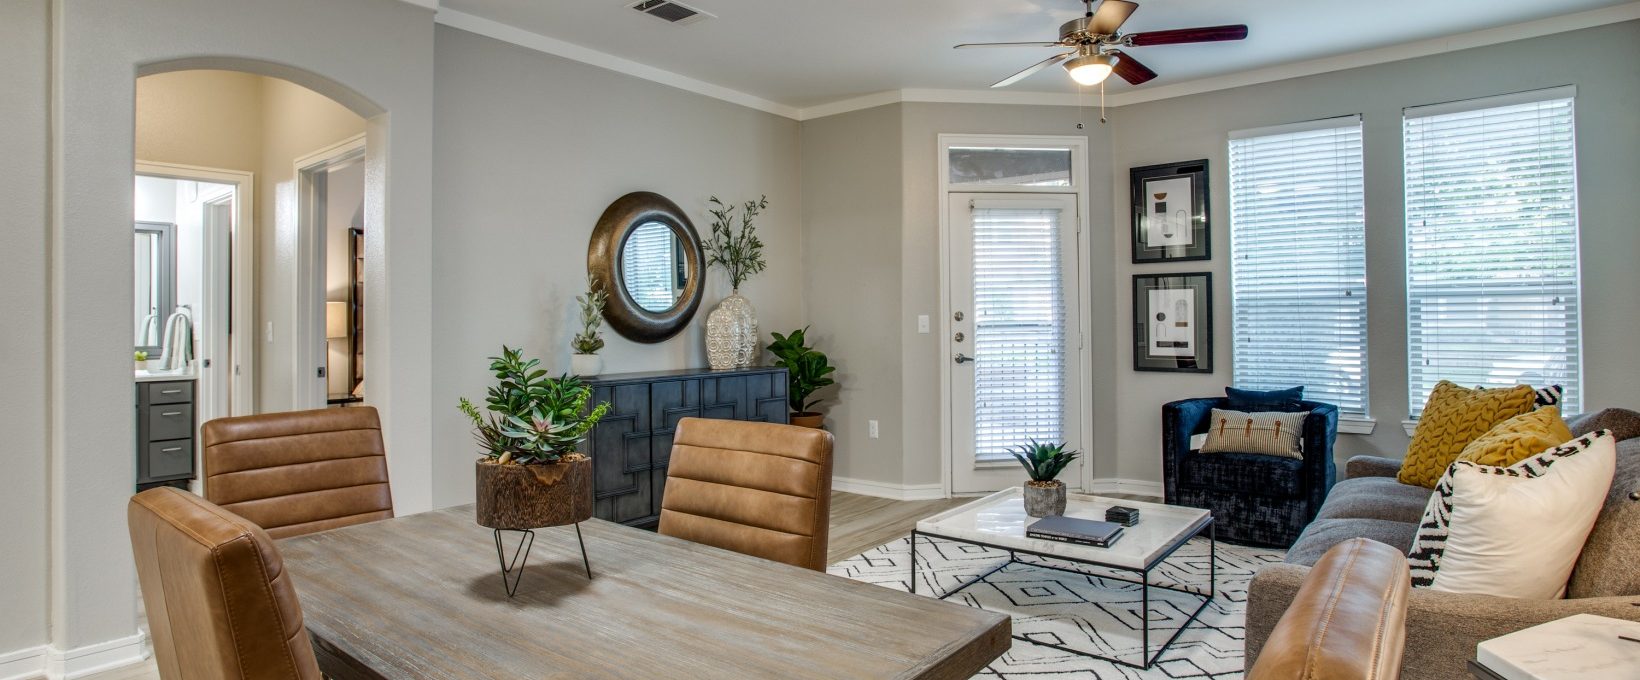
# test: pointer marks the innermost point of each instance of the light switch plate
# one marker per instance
(922, 323)
(871, 429)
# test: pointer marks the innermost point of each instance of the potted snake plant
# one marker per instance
(1044, 495)
(530, 474)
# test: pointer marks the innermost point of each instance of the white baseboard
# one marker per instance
(1134, 487)
(83, 661)
(899, 492)
(24, 664)
(923, 492)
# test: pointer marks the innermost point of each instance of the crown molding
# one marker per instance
(1384, 55)
(604, 60)
(429, 4)
(1412, 50)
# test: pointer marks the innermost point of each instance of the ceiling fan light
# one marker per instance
(1090, 69)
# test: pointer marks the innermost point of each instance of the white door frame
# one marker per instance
(1079, 186)
(308, 311)
(237, 341)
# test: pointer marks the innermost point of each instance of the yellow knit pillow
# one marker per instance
(1453, 417)
(1518, 438)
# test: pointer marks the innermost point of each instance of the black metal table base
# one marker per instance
(512, 571)
(1146, 658)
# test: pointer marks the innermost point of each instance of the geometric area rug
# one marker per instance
(1085, 612)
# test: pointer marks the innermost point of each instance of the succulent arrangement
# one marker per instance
(1044, 461)
(530, 417)
(738, 253)
(808, 369)
(589, 340)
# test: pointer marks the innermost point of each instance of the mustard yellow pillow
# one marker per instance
(1518, 438)
(1453, 417)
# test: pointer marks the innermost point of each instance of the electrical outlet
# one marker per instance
(871, 428)
(922, 323)
(269, 334)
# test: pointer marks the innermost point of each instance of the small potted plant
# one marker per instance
(530, 474)
(731, 328)
(807, 370)
(586, 344)
(141, 358)
(1044, 495)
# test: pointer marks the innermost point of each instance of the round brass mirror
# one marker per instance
(647, 255)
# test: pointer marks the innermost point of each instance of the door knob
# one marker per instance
(963, 358)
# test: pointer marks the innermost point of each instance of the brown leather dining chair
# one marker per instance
(299, 472)
(755, 488)
(218, 600)
(1348, 621)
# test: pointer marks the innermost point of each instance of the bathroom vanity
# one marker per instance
(165, 428)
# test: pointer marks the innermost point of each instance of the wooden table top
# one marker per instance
(421, 596)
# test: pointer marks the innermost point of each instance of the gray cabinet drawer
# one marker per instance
(170, 459)
(170, 421)
(170, 392)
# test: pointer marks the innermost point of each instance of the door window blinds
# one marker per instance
(1491, 245)
(1298, 261)
(1019, 329)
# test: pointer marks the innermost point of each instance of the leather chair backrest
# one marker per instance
(754, 488)
(219, 602)
(299, 472)
(1348, 621)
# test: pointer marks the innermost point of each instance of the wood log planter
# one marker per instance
(519, 497)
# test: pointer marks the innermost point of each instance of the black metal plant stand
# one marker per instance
(512, 571)
(1146, 658)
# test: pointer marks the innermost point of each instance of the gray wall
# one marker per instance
(375, 56)
(851, 230)
(25, 343)
(530, 149)
(1599, 61)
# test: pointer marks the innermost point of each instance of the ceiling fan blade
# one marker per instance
(1045, 63)
(1131, 70)
(1110, 15)
(1188, 35)
(1009, 44)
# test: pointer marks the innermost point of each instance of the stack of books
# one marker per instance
(1072, 530)
(1122, 515)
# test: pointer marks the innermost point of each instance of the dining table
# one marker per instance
(421, 596)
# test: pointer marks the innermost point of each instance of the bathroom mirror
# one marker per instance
(648, 257)
(154, 288)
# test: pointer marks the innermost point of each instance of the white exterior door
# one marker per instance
(1015, 333)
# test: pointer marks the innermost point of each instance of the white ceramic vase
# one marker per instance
(585, 364)
(731, 333)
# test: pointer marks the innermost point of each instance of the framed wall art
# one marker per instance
(1170, 212)
(1173, 322)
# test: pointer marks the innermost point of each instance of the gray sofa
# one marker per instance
(1443, 628)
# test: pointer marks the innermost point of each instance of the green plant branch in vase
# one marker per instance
(589, 340)
(807, 370)
(530, 417)
(738, 253)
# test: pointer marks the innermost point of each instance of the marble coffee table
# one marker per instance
(999, 520)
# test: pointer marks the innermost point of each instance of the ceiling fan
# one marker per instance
(1095, 44)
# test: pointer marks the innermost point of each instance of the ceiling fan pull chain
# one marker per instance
(1101, 101)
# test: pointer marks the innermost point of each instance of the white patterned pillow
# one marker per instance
(1513, 531)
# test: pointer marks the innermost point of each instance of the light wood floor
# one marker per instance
(858, 523)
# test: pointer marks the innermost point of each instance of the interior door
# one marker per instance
(1015, 333)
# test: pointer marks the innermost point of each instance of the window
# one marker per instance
(1298, 262)
(1491, 233)
(1029, 166)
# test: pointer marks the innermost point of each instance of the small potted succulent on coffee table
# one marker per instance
(1044, 495)
(531, 475)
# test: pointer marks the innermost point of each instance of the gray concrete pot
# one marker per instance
(1045, 501)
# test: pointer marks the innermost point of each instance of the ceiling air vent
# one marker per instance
(672, 12)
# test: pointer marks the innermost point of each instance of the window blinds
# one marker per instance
(1019, 329)
(1298, 261)
(647, 267)
(1491, 245)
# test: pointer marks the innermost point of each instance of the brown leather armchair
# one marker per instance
(1348, 621)
(299, 472)
(219, 602)
(754, 488)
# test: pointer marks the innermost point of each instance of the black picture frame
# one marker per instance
(1187, 355)
(1168, 240)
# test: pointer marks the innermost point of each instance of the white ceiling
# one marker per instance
(801, 54)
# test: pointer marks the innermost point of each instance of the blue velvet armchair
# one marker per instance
(1255, 499)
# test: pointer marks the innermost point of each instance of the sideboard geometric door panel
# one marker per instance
(632, 445)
